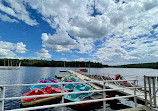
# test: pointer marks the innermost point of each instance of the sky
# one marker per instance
(113, 32)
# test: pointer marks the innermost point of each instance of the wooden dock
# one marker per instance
(125, 91)
(9, 68)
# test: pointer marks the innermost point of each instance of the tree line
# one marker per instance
(153, 65)
(47, 63)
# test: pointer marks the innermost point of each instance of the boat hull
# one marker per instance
(91, 105)
(54, 99)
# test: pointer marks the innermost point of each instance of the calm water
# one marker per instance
(27, 75)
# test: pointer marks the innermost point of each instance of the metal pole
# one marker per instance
(135, 97)
(4, 62)
(64, 63)
(154, 92)
(11, 63)
(145, 92)
(8, 62)
(157, 85)
(19, 64)
(89, 67)
(2, 95)
(150, 91)
(62, 108)
(104, 94)
(137, 79)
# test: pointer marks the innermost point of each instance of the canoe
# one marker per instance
(39, 100)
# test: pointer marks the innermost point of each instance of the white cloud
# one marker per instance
(74, 55)
(21, 48)
(74, 17)
(80, 59)
(43, 54)
(18, 9)
(4, 53)
(64, 59)
(5, 18)
(85, 45)
(119, 50)
(60, 41)
(90, 27)
(9, 50)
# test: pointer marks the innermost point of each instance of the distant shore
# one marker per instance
(86, 64)
(51, 63)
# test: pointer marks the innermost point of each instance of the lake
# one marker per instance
(28, 75)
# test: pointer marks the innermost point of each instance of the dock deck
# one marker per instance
(126, 90)
(9, 68)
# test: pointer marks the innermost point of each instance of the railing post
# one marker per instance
(2, 95)
(137, 79)
(149, 82)
(62, 108)
(157, 87)
(145, 91)
(135, 97)
(104, 95)
(154, 91)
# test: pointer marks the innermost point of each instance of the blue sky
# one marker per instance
(111, 32)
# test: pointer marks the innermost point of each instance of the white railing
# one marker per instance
(151, 85)
(111, 77)
(104, 99)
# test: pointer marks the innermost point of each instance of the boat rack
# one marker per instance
(104, 99)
